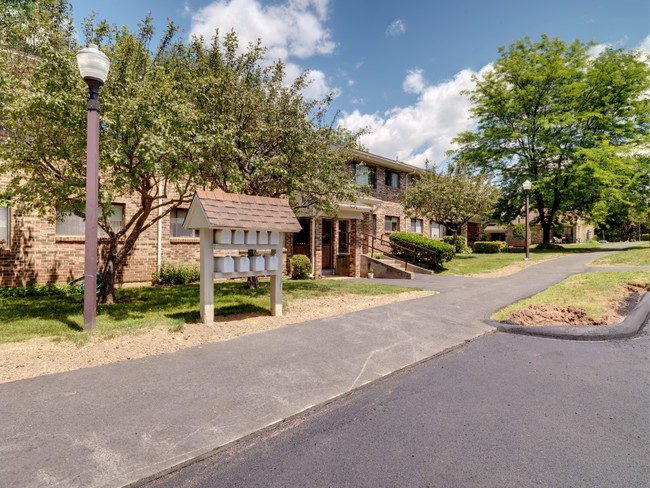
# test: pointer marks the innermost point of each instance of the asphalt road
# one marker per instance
(502, 411)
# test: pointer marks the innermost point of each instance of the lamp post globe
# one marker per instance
(93, 66)
(527, 186)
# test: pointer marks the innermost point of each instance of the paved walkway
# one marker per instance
(113, 425)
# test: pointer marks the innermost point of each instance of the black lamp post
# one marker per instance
(527, 184)
(93, 66)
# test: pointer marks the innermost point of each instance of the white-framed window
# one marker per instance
(416, 225)
(69, 224)
(437, 231)
(176, 219)
(392, 179)
(4, 227)
(364, 175)
(391, 224)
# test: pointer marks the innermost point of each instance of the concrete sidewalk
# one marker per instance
(113, 425)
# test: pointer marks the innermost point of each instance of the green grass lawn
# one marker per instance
(139, 308)
(632, 256)
(467, 264)
(591, 292)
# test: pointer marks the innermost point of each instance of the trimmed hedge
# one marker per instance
(427, 253)
(176, 274)
(300, 266)
(461, 242)
(645, 237)
(489, 247)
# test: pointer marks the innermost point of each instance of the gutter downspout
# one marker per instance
(159, 236)
(313, 246)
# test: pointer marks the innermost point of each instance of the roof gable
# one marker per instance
(221, 210)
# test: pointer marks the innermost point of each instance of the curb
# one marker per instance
(631, 326)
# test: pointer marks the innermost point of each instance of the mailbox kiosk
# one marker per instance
(234, 223)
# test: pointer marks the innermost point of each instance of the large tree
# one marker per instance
(174, 118)
(544, 112)
(451, 197)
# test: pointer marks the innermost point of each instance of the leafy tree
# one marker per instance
(452, 197)
(257, 135)
(550, 112)
(174, 118)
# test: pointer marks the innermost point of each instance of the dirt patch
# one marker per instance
(537, 315)
(42, 356)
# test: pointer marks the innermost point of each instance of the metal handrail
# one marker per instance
(411, 251)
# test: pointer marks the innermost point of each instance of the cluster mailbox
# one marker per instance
(233, 225)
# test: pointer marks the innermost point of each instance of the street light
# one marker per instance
(93, 66)
(527, 184)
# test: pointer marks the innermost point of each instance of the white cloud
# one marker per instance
(423, 130)
(644, 47)
(396, 28)
(414, 82)
(292, 29)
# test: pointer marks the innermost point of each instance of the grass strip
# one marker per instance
(591, 292)
(631, 256)
(61, 317)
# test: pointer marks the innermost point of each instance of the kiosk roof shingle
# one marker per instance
(233, 211)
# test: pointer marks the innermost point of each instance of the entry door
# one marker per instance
(302, 239)
(327, 244)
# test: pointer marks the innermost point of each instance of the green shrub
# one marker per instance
(426, 252)
(34, 290)
(300, 267)
(645, 237)
(548, 246)
(176, 274)
(461, 242)
(519, 232)
(489, 247)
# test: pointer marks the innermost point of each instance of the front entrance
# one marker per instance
(327, 245)
(302, 239)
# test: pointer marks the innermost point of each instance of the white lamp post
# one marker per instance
(93, 66)
(527, 184)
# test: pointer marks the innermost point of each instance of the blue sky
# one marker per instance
(396, 66)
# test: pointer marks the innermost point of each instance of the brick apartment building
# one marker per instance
(34, 249)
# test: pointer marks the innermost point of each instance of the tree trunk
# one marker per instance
(546, 231)
(252, 282)
(107, 289)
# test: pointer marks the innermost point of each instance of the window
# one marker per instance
(4, 227)
(416, 225)
(364, 175)
(177, 217)
(116, 219)
(437, 230)
(392, 179)
(69, 224)
(344, 237)
(391, 223)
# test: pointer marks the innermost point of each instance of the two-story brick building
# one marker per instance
(335, 243)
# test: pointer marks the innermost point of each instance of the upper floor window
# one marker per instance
(4, 227)
(437, 231)
(69, 224)
(364, 175)
(392, 179)
(177, 217)
(416, 225)
(391, 224)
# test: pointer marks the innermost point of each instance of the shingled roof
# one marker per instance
(221, 210)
